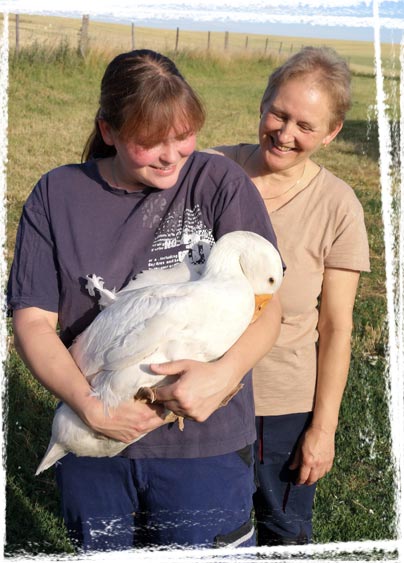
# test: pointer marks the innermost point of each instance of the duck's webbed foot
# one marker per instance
(148, 395)
(172, 417)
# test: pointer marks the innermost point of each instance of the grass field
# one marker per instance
(53, 97)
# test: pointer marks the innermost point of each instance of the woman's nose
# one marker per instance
(285, 132)
(169, 152)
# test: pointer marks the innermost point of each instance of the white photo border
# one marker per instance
(394, 252)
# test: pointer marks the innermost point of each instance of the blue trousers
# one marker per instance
(119, 503)
(283, 510)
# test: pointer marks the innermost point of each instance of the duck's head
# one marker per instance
(262, 266)
(257, 258)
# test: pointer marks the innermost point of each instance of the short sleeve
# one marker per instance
(230, 201)
(33, 280)
(350, 249)
(240, 208)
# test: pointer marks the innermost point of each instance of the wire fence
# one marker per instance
(85, 34)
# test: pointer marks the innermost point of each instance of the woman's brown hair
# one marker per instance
(143, 96)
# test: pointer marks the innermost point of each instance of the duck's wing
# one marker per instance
(199, 321)
(180, 273)
(130, 329)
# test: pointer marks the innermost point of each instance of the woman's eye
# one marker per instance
(140, 145)
(183, 137)
(145, 148)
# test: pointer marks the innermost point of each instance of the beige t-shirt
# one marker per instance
(322, 226)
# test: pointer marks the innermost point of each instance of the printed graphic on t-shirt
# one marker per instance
(180, 233)
(153, 209)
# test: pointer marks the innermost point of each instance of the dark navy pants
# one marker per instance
(119, 503)
(283, 510)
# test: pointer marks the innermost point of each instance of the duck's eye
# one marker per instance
(271, 281)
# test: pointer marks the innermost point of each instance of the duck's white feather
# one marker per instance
(199, 319)
(182, 272)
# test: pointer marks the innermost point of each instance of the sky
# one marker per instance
(338, 19)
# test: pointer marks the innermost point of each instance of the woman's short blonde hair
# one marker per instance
(331, 74)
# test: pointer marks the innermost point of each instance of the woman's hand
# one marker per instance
(314, 456)
(199, 390)
(125, 423)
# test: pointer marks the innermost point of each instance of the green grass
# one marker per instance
(53, 98)
(33, 522)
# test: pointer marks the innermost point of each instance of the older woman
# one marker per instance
(319, 223)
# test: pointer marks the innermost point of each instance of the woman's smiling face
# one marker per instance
(295, 123)
(158, 166)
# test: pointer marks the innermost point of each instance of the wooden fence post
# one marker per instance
(266, 46)
(208, 41)
(17, 33)
(246, 42)
(133, 36)
(280, 47)
(177, 37)
(226, 40)
(83, 36)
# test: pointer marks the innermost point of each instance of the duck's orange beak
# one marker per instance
(260, 302)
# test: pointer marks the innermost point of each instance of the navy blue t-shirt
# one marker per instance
(74, 224)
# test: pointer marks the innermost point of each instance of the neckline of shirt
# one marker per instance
(138, 193)
(302, 191)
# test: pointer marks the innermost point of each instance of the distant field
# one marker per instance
(107, 37)
(53, 98)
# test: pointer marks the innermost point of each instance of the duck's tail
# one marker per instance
(54, 452)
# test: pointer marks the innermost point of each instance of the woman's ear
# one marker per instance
(332, 134)
(107, 132)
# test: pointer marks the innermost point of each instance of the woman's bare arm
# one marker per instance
(52, 365)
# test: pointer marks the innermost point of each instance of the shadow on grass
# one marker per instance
(362, 138)
(33, 523)
(355, 502)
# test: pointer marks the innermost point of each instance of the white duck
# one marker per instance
(171, 319)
